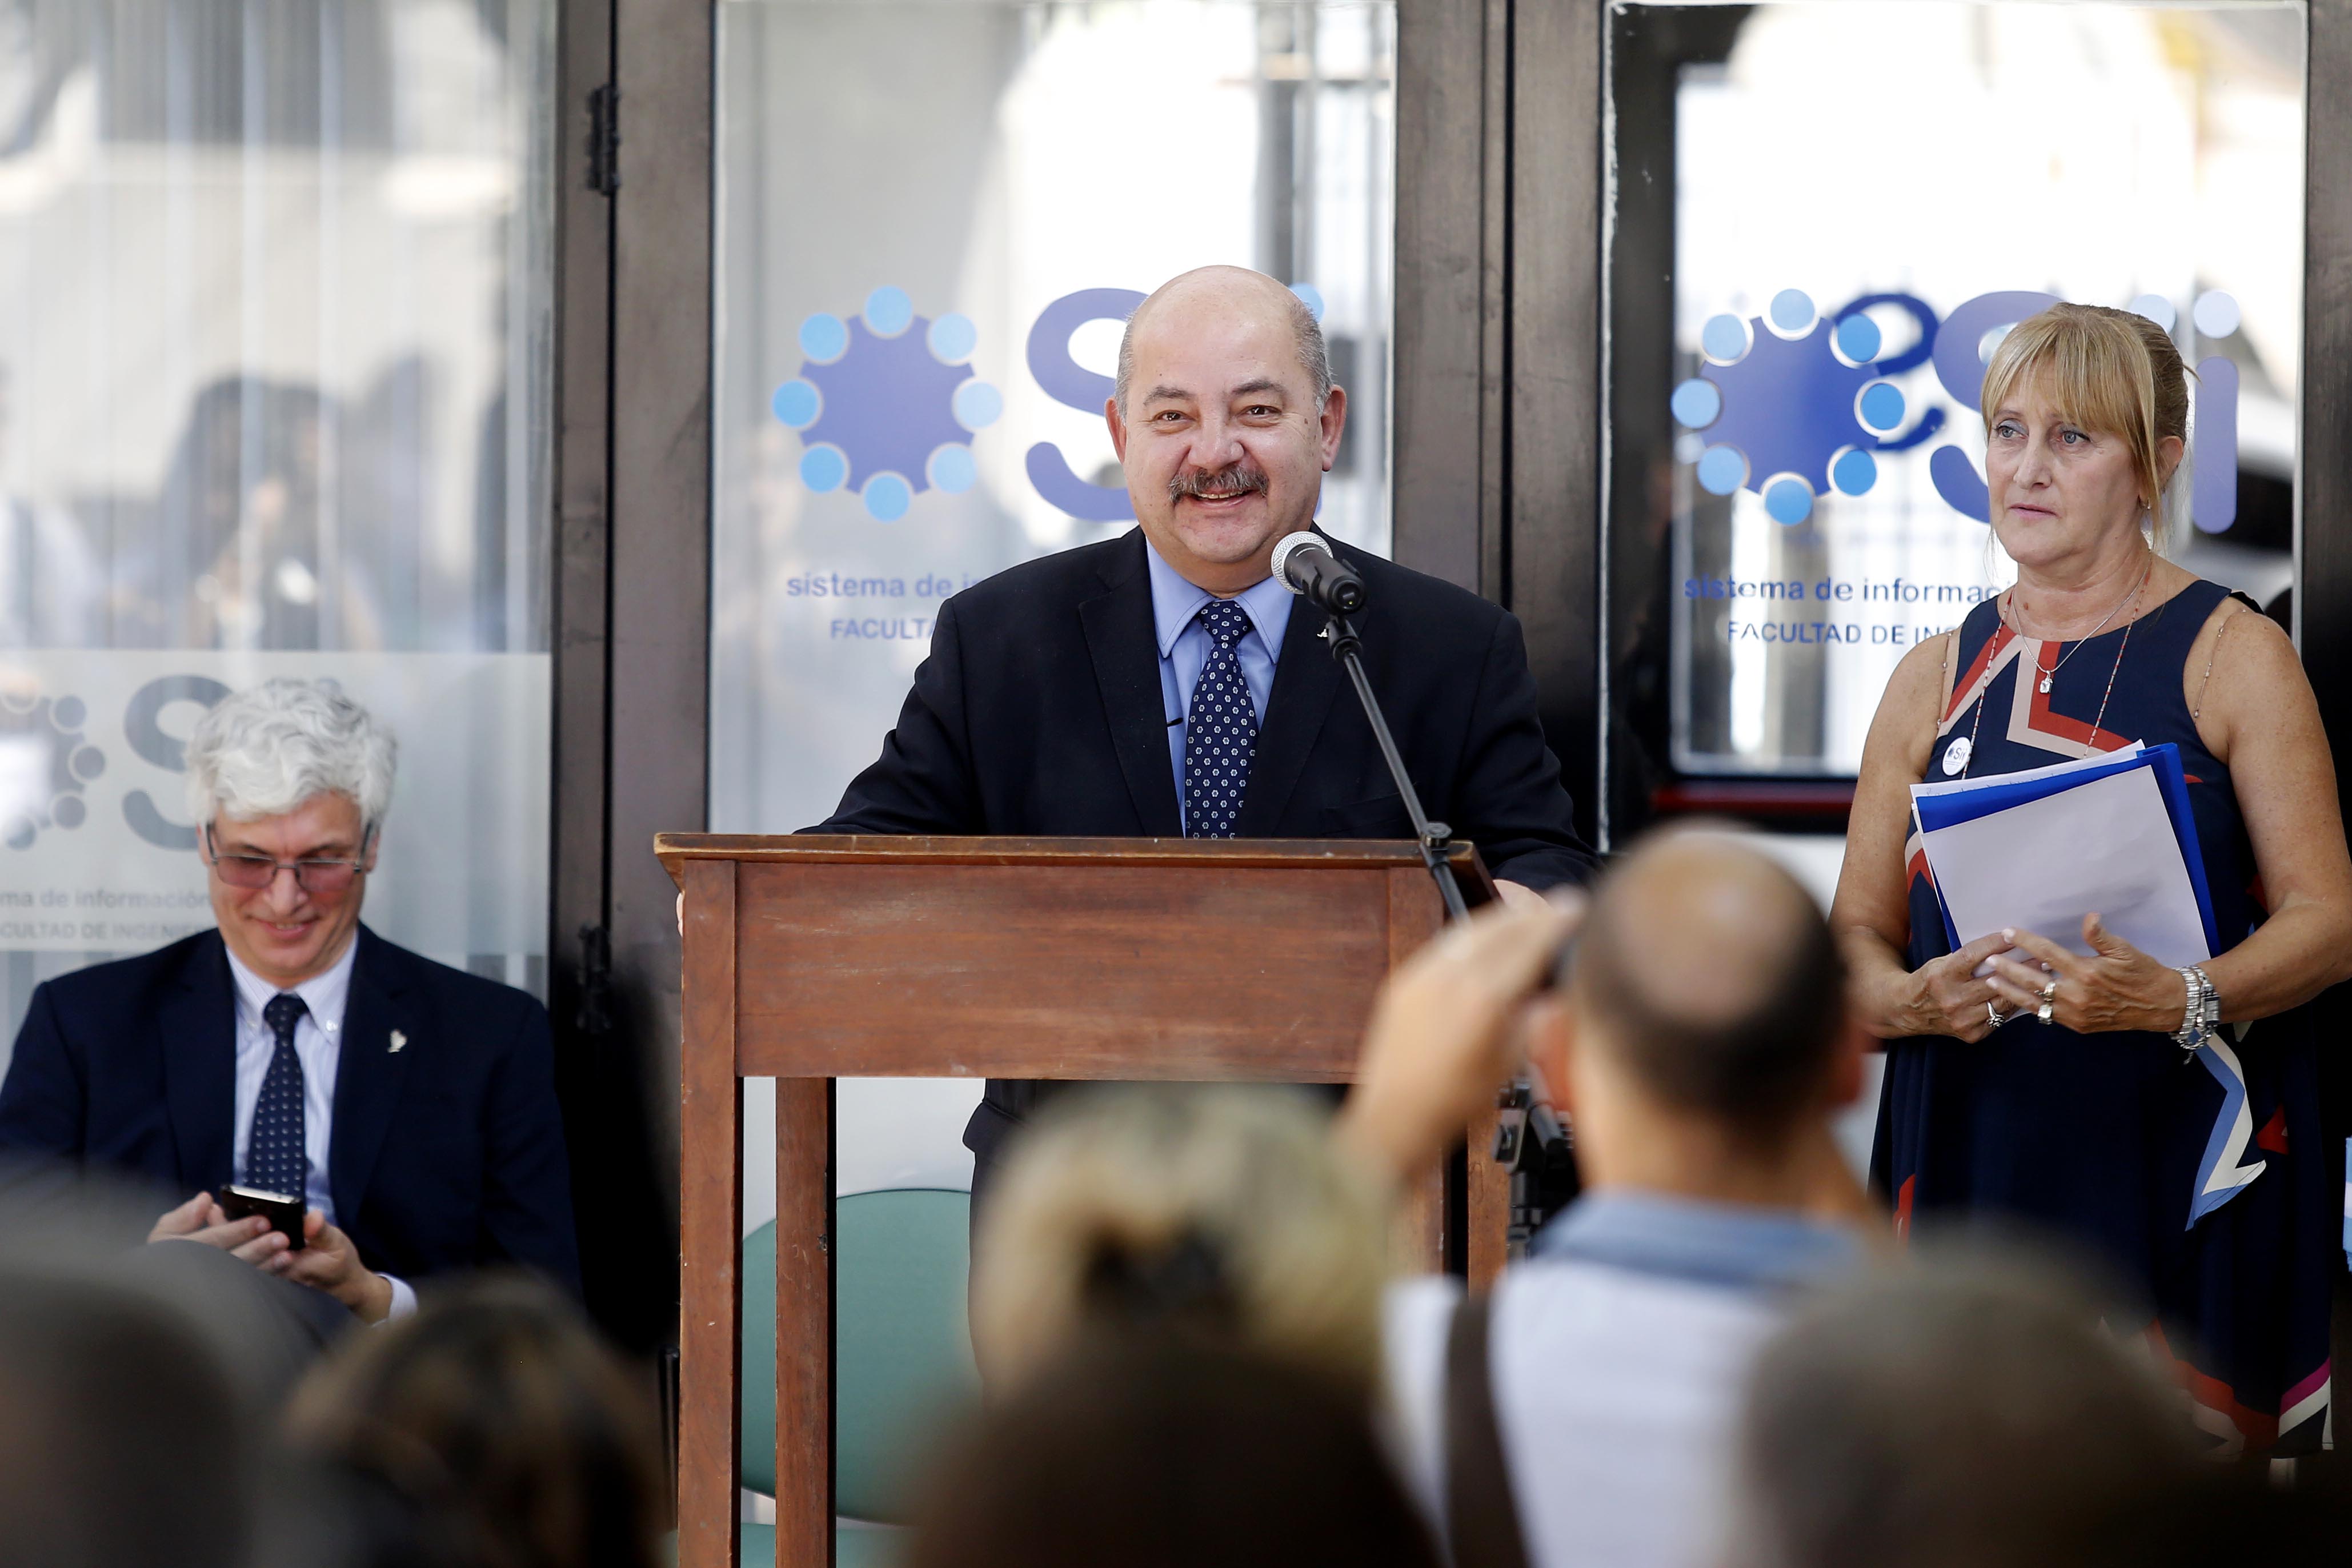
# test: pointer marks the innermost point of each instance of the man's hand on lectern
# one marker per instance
(1448, 1029)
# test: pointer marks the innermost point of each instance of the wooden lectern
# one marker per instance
(811, 958)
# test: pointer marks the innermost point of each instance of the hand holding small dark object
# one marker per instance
(201, 1221)
(331, 1263)
(283, 1213)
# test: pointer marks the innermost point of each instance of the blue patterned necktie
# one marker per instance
(1221, 732)
(276, 1155)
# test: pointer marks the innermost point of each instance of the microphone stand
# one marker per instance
(1436, 838)
(1529, 1140)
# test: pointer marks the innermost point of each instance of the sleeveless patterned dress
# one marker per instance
(2202, 1181)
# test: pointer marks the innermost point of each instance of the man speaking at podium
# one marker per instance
(1166, 683)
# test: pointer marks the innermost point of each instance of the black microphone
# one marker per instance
(1308, 567)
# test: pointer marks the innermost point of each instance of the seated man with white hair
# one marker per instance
(292, 1050)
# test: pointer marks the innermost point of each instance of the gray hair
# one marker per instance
(266, 751)
(1314, 358)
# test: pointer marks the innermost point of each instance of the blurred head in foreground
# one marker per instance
(1701, 1038)
(1223, 1217)
(1170, 1456)
(121, 1443)
(510, 1436)
(1965, 1410)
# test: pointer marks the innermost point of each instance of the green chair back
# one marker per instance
(759, 1441)
(853, 1546)
(902, 1366)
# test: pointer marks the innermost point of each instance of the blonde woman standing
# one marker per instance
(2080, 1093)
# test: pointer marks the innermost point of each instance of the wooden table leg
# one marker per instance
(1417, 1233)
(804, 1323)
(711, 1223)
(1490, 1205)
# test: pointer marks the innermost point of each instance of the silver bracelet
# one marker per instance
(2200, 1013)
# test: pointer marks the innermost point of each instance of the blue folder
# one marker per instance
(2000, 794)
(2222, 1173)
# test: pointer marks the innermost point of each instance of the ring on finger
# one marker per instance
(2042, 1013)
(1993, 1015)
(2049, 990)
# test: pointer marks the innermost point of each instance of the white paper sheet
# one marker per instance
(2107, 847)
(2026, 775)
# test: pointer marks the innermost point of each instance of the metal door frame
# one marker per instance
(632, 464)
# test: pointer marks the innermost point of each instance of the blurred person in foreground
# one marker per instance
(489, 1430)
(410, 1106)
(1155, 1453)
(1221, 1218)
(1971, 1409)
(122, 1445)
(2064, 1078)
(1582, 1413)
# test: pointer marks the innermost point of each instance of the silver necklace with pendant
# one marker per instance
(2050, 675)
(1961, 752)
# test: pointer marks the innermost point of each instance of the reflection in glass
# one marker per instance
(933, 218)
(274, 294)
(1844, 188)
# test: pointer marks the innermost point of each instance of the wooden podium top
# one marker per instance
(1077, 958)
(674, 850)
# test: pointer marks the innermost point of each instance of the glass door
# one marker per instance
(275, 287)
(1825, 216)
(934, 218)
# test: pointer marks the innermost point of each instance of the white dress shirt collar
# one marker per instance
(1176, 600)
(325, 993)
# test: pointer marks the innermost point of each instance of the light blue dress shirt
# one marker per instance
(1619, 1349)
(319, 1043)
(1742, 1246)
(1185, 644)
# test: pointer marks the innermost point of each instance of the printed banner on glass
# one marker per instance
(1826, 492)
(98, 854)
(932, 223)
(923, 325)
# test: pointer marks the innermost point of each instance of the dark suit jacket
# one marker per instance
(1040, 712)
(447, 1154)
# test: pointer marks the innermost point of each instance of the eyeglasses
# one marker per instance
(318, 878)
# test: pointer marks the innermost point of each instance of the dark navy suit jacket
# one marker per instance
(1039, 713)
(447, 1154)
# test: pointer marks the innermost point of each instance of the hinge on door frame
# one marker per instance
(604, 139)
